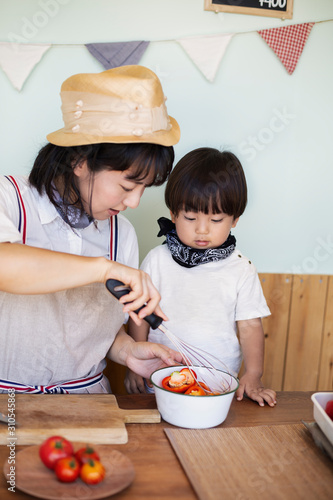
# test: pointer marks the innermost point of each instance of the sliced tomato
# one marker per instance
(180, 389)
(190, 375)
(195, 390)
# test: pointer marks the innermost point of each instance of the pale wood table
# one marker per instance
(159, 475)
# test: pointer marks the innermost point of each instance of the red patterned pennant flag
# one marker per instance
(288, 42)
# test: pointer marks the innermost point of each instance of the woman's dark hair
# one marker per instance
(58, 163)
(207, 180)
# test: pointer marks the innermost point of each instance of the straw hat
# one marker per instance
(120, 105)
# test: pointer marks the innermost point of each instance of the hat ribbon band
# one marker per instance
(97, 114)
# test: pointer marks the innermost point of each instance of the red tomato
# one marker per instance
(190, 375)
(180, 389)
(67, 469)
(329, 408)
(195, 390)
(54, 448)
(85, 454)
(92, 472)
(178, 381)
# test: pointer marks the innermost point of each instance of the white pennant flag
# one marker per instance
(206, 52)
(19, 59)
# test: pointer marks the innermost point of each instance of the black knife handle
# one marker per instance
(118, 289)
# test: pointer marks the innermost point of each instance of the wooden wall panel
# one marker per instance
(298, 335)
(325, 382)
(305, 332)
(277, 291)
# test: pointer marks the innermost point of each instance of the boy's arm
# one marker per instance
(251, 337)
(138, 333)
(135, 383)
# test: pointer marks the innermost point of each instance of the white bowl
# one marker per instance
(320, 400)
(192, 412)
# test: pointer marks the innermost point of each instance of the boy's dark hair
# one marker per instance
(58, 162)
(207, 179)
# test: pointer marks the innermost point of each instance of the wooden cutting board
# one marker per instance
(91, 418)
(246, 463)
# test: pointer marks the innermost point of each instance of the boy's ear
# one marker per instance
(173, 218)
(234, 224)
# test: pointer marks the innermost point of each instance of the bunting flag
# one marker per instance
(18, 60)
(111, 55)
(288, 42)
(206, 52)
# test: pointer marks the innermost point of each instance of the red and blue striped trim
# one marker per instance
(22, 225)
(63, 388)
(113, 250)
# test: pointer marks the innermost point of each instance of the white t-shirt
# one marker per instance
(203, 303)
(56, 337)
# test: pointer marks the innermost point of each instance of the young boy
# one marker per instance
(210, 291)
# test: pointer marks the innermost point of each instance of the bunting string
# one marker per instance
(18, 60)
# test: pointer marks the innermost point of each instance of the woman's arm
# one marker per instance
(30, 270)
(251, 337)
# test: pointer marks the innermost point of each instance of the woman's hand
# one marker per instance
(146, 357)
(254, 389)
(143, 292)
(142, 358)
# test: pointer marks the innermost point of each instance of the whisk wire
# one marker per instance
(217, 376)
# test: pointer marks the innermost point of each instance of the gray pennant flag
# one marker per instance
(111, 55)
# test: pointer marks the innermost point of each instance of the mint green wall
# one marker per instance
(287, 225)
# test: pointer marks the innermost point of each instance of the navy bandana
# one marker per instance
(187, 256)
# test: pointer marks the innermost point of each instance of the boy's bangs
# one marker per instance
(206, 199)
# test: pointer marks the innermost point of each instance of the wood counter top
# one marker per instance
(159, 474)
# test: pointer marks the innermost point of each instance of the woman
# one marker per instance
(62, 237)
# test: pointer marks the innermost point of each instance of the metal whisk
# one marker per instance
(214, 374)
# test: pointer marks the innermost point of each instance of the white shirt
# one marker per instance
(203, 303)
(56, 337)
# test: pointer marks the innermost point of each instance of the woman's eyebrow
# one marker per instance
(137, 181)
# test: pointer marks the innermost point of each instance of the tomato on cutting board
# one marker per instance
(92, 472)
(83, 455)
(53, 449)
(67, 469)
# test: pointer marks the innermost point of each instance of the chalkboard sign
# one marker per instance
(270, 8)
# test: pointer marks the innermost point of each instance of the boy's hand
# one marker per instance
(253, 388)
(134, 384)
